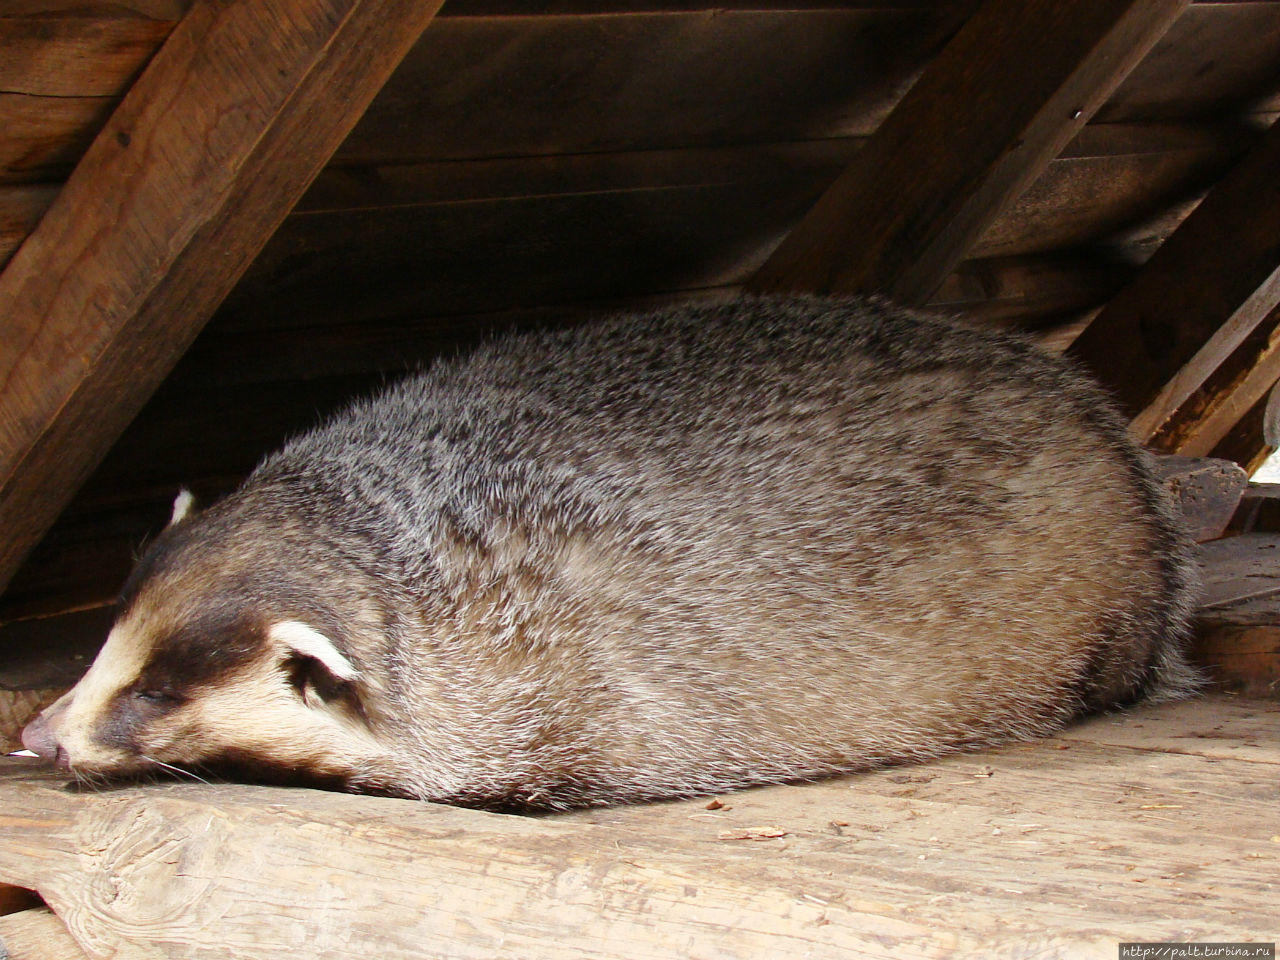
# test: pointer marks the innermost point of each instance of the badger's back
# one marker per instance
(753, 542)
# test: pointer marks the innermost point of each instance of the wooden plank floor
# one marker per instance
(1159, 824)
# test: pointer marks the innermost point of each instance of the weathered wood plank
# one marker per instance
(197, 167)
(60, 78)
(1010, 90)
(694, 219)
(1207, 491)
(1059, 848)
(1217, 58)
(1196, 299)
(1214, 727)
(1248, 443)
(1029, 292)
(1127, 186)
(37, 934)
(1243, 379)
(1241, 658)
(1238, 637)
(1214, 58)
(1259, 510)
(21, 208)
(77, 56)
(1239, 569)
(171, 10)
(45, 136)
(476, 87)
(538, 85)
(443, 257)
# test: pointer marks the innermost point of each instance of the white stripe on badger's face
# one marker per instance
(119, 663)
(310, 642)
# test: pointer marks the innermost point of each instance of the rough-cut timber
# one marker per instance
(1238, 639)
(1248, 443)
(1201, 293)
(1241, 380)
(1154, 825)
(1002, 99)
(206, 155)
(37, 934)
(1207, 491)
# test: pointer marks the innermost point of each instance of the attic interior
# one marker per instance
(220, 221)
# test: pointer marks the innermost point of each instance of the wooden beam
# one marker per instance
(1005, 96)
(1198, 297)
(202, 160)
(1230, 392)
(37, 934)
(1249, 443)
(1205, 491)
(927, 861)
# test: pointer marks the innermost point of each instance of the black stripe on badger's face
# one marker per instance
(199, 653)
(210, 645)
(134, 705)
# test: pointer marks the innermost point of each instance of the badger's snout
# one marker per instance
(38, 736)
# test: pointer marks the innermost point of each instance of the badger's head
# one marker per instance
(213, 662)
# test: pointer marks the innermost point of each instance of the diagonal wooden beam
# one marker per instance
(998, 103)
(1238, 384)
(197, 167)
(1194, 302)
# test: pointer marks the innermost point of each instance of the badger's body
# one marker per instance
(655, 556)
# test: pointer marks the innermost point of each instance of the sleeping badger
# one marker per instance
(656, 556)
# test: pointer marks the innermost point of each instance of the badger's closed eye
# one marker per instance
(158, 697)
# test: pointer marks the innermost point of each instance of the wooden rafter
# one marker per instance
(208, 152)
(1239, 383)
(1200, 295)
(1003, 98)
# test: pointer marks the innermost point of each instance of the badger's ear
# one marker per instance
(184, 505)
(306, 641)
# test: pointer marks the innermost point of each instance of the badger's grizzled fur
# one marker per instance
(656, 556)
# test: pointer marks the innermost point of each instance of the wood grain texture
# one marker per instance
(1216, 59)
(194, 171)
(1247, 443)
(1010, 90)
(1238, 384)
(1196, 299)
(1155, 824)
(371, 243)
(477, 87)
(21, 208)
(60, 78)
(815, 72)
(77, 56)
(1206, 491)
(37, 934)
(1238, 637)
